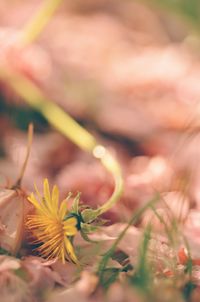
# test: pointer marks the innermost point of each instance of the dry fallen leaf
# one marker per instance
(12, 220)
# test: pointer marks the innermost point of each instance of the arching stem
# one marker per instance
(36, 25)
(65, 124)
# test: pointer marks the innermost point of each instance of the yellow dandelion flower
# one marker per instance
(50, 227)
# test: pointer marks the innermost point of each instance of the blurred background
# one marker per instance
(126, 70)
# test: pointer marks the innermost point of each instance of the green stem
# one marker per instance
(61, 121)
(113, 167)
(39, 21)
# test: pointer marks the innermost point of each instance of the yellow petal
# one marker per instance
(70, 231)
(72, 221)
(63, 209)
(39, 206)
(47, 195)
(33, 200)
(70, 250)
(38, 193)
(62, 255)
(48, 200)
(69, 227)
(36, 204)
(55, 197)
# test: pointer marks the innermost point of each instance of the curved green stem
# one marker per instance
(61, 121)
(110, 163)
(39, 21)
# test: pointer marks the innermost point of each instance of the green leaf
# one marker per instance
(110, 276)
(88, 228)
(142, 276)
(75, 205)
(86, 238)
(89, 215)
